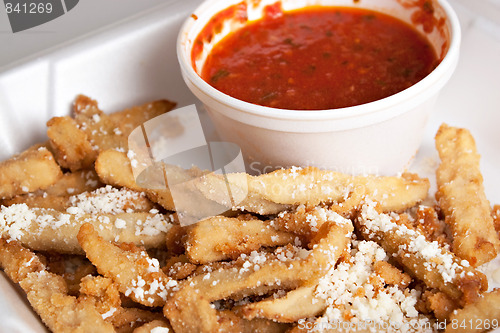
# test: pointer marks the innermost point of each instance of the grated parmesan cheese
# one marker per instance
(431, 252)
(104, 200)
(341, 286)
(15, 220)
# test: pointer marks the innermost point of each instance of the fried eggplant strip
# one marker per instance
(477, 317)
(427, 261)
(219, 238)
(70, 144)
(57, 195)
(127, 120)
(462, 198)
(312, 186)
(214, 187)
(59, 203)
(190, 312)
(115, 168)
(17, 261)
(297, 304)
(32, 170)
(104, 295)
(250, 279)
(101, 130)
(303, 221)
(48, 294)
(127, 319)
(135, 273)
(148, 327)
(51, 230)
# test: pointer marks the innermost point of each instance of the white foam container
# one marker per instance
(135, 61)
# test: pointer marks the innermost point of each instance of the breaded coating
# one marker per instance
(17, 261)
(101, 130)
(480, 316)
(297, 304)
(312, 186)
(114, 168)
(462, 198)
(179, 267)
(48, 293)
(127, 120)
(135, 273)
(427, 261)
(286, 268)
(219, 238)
(101, 292)
(70, 144)
(32, 170)
(391, 275)
(148, 327)
(190, 312)
(495, 213)
(441, 305)
(52, 230)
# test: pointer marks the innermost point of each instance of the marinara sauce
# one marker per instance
(319, 58)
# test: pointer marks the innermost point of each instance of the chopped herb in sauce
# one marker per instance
(218, 75)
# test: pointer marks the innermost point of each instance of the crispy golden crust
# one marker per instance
(52, 230)
(421, 258)
(495, 213)
(57, 195)
(113, 168)
(130, 267)
(17, 261)
(32, 170)
(441, 305)
(71, 146)
(428, 223)
(462, 198)
(297, 304)
(237, 281)
(391, 275)
(179, 267)
(479, 316)
(100, 129)
(59, 203)
(101, 291)
(48, 293)
(219, 238)
(148, 327)
(127, 120)
(72, 183)
(190, 312)
(311, 186)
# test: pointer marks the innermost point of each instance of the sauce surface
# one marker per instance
(319, 58)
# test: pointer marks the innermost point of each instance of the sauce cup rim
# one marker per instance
(433, 81)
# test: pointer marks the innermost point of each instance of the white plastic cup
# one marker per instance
(379, 137)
